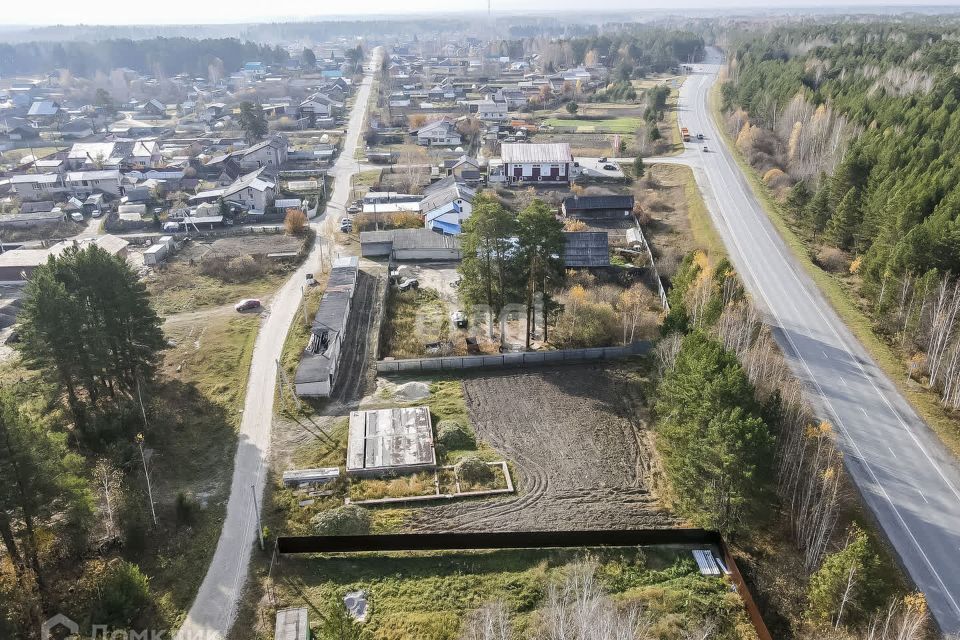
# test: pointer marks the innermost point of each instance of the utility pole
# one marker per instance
(256, 508)
(303, 305)
(146, 474)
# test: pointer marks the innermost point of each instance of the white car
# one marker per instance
(97, 213)
(76, 216)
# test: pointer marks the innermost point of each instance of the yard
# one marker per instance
(431, 596)
(206, 274)
(622, 124)
(196, 411)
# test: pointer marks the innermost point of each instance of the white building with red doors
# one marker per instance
(534, 164)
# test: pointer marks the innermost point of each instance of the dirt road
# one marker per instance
(577, 437)
(214, 608)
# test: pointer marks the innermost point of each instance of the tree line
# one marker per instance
(91, 340)
(158, 56)
(863, 120)
(742, 453)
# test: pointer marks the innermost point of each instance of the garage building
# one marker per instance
(410, 244)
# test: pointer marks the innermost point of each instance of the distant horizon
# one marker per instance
(112, 13)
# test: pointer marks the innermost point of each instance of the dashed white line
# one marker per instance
(844, 382)
(892, 452)
(864, 412)
(923, 496)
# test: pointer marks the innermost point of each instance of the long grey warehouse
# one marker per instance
(318, 362)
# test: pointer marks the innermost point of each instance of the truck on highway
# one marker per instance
(685, 133)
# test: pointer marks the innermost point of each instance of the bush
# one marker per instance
(475, 471)
(833, 260)
(342, 521)
(295, 222)
(186, 509)
(454, 435)
(124, 596)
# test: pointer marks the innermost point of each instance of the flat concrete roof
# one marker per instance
(385, 440)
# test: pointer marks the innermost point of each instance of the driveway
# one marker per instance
(214, 609)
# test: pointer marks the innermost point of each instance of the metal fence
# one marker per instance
(521, 359)
(531, 540)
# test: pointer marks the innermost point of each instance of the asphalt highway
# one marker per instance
(907, 477)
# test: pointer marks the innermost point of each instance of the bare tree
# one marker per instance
(109, 481)
(489, 622)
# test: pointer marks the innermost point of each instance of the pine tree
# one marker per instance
(541, 244)
(252, 121)
(843, 224)
(717, 451)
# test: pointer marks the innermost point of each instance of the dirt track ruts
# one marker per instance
(574, 437)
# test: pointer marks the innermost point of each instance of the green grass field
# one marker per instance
(623, 124)
(430, 595)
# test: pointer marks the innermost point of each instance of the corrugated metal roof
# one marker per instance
(557, 152)
(586, 249)
(586, 203)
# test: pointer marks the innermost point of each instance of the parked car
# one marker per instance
(460, 319)
(97, 213)
(409, 283)
(171, 226)
(603, 159)
(247, 304)
(609, 167)
(76, 216)
(699, 136)
(705, 148)
(398, 274)
(346, 225)
(310, 280)
(354, 208)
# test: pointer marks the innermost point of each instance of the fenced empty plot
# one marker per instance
(578, 440)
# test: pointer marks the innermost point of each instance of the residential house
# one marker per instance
(491, 110)
(446, 204)
(465, 169)
(84, 183)
(513, 98)
(534, 163)
(77, 128)
(45, 111)
(252, 192)
(36, 186)
(271, 153)
(154, 108)
(437, 133)
(16, 128)
(318, 106)
(597, 207)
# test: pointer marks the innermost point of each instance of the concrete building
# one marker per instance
(383, 441)
(316, 373)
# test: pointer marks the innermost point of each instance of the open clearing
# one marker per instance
(579, 444)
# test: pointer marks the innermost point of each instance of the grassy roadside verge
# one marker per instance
(701, 226)
(923, 400)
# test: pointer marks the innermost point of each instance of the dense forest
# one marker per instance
(856, 127)
(158, 56)
(630, 52)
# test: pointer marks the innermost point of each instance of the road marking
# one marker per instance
(825, 356)
(749, 269)
(844, 382)
(892, 452)
(923, 496)
(864, 412)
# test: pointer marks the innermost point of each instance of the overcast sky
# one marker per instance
(69, 12)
